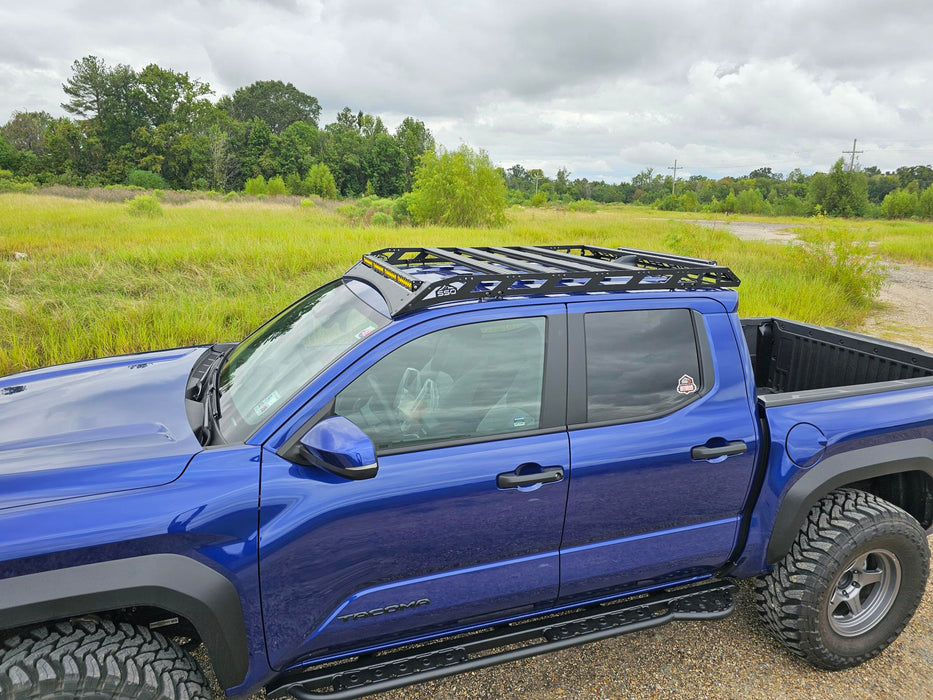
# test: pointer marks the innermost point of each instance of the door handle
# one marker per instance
(511, 480)
(736, 447)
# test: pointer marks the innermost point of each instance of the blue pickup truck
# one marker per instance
(451, 458)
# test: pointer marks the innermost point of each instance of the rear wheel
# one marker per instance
(851, 582)
(94, 659)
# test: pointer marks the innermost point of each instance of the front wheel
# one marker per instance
(851, 582)
(94, 659)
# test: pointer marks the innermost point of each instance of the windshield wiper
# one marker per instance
(211, 394)
(197, 392)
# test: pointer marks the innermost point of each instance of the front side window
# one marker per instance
(275, 362)
(463, 382)
(640, 364)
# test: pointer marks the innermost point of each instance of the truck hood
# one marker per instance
(93, 427)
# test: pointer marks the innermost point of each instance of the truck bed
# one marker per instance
(789, 357)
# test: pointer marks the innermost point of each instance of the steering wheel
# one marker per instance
(379, 395)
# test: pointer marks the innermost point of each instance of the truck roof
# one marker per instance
(416, 278)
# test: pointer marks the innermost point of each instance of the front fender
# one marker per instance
(173, 582)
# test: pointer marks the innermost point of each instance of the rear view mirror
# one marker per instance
(340, 447)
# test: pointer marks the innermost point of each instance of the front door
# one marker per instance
(437, 539)
(644, 508)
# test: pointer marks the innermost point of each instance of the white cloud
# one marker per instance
(605, 89)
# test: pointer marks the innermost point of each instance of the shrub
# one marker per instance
(231, 196)
(144, 205)
(256, 186)
(381, 219)
(925, 208)
(401, 213)
(847, 261)
(308, 203)
(458, 188)
(583, 205)
(320, 181)
(539, 199)
(900, 204)
(276, 186)
(670, 203)
(146, 179)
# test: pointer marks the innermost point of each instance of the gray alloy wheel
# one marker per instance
(864, 592)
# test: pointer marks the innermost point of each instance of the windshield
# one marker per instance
(276, 361)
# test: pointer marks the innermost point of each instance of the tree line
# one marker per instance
(158, 128)
(904, 193)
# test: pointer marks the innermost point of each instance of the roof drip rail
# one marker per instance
(416, 278)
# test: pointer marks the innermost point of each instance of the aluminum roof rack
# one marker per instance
(415, 278)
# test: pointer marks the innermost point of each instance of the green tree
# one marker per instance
(415, 140)
(87, 87)
(9, 156)
(25, 131)
(320, 181)
(458, 188)
(840, 192)
(385, 166)
(276, 103)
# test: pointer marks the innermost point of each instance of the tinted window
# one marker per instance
(462, 382)
(639, 363)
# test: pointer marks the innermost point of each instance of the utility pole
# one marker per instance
(852, 154)
(674, 168)
(536, 178)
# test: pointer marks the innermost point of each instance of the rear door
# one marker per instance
(438, 539)
(662, 444)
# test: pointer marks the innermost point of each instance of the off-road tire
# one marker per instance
(795, 598)
(95, 659)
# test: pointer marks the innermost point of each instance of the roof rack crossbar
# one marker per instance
(590, 260)
(527, 266)
(569, 266)
(484, 273)
(450, 255)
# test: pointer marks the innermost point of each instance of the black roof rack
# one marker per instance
(415, 278)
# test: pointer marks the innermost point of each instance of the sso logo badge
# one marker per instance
(448, 290)
(686, 385)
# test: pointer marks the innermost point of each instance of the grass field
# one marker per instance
(98, 281)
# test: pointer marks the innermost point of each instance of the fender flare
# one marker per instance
(170, 581)
(845, 468)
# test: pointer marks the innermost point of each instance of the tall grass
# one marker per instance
(98, 281)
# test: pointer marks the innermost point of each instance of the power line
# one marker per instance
(852, 153)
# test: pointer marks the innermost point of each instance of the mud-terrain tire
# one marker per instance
(851, 582)
(95, 659)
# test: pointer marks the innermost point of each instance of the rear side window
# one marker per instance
(640, 364)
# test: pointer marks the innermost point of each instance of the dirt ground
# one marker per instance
(905, 312)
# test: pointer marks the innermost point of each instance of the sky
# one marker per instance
(604, 89)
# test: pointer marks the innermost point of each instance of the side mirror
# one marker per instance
(340, 447)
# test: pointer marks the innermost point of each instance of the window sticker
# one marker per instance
(363, 333)
(686, 385)
(260, 408)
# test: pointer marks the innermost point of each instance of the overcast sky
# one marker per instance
(605, 89)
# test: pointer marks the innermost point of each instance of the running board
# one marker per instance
(375, 673)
